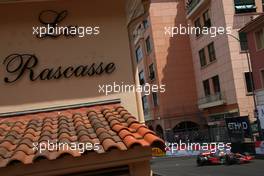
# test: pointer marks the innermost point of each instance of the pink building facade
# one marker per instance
(220, 62)
(255, 40)
(160, 59)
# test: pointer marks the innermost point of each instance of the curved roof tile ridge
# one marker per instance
(107, 126)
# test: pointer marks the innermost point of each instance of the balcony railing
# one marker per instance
(211, 100)
(194, 7)
(191, 4)
(260, 96)
(147, 114)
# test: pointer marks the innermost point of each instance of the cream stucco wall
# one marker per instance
(111, 45)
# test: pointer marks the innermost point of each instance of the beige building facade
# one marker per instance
(17, 38)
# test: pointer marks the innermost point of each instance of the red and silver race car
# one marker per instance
(221, 157)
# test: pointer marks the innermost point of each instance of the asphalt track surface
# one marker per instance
(188, 167)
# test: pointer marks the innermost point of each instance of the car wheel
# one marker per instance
(199, 162)
(228, 160)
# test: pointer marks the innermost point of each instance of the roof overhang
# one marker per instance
(21, 1)
(257, 22)
(85, 163)
(136, 8)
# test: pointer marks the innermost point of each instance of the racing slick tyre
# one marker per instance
(200, 161)
(229, 159)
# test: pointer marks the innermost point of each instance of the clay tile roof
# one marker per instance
(110, 126)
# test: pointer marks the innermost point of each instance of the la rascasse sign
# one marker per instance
(51, 28)
(19, 65)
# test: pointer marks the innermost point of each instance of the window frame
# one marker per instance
(211, 58)
(219, 84)
(246, 9)
(153, 69)
(243, 43)
(137, 56)
(205, 60)
(261, 72)
(143, 78)
(207, 93)
(148, 45)
(200, 27)
(256, 39)
(246, 83)
(262, 5)
(145, 105)
(145, 23)
(155, 102)
(207, 20)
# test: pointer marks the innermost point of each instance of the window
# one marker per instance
(202, 57)
(207, 20)
(211, 55)
(262, 77)
(151, 72)
(259, 37)
(139, 28)
(145, 104)
(145, 23)
(249, 83)
(206, 85)
(243, 41)
(155, 98)
(139, 54)
(141, 78)
(244, 6)
(211, 52)
(263, 5)
(148, 45)
(198, 27)
(216, 84)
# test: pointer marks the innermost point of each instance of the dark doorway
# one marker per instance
(159, 131)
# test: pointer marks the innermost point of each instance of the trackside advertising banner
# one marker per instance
(259, 147)
(260, 109)
(238, 128)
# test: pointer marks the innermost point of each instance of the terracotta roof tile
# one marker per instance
(7, 145)
(50, 155)
(109, 126)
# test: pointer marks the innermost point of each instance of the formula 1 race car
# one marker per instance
(221, 157)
